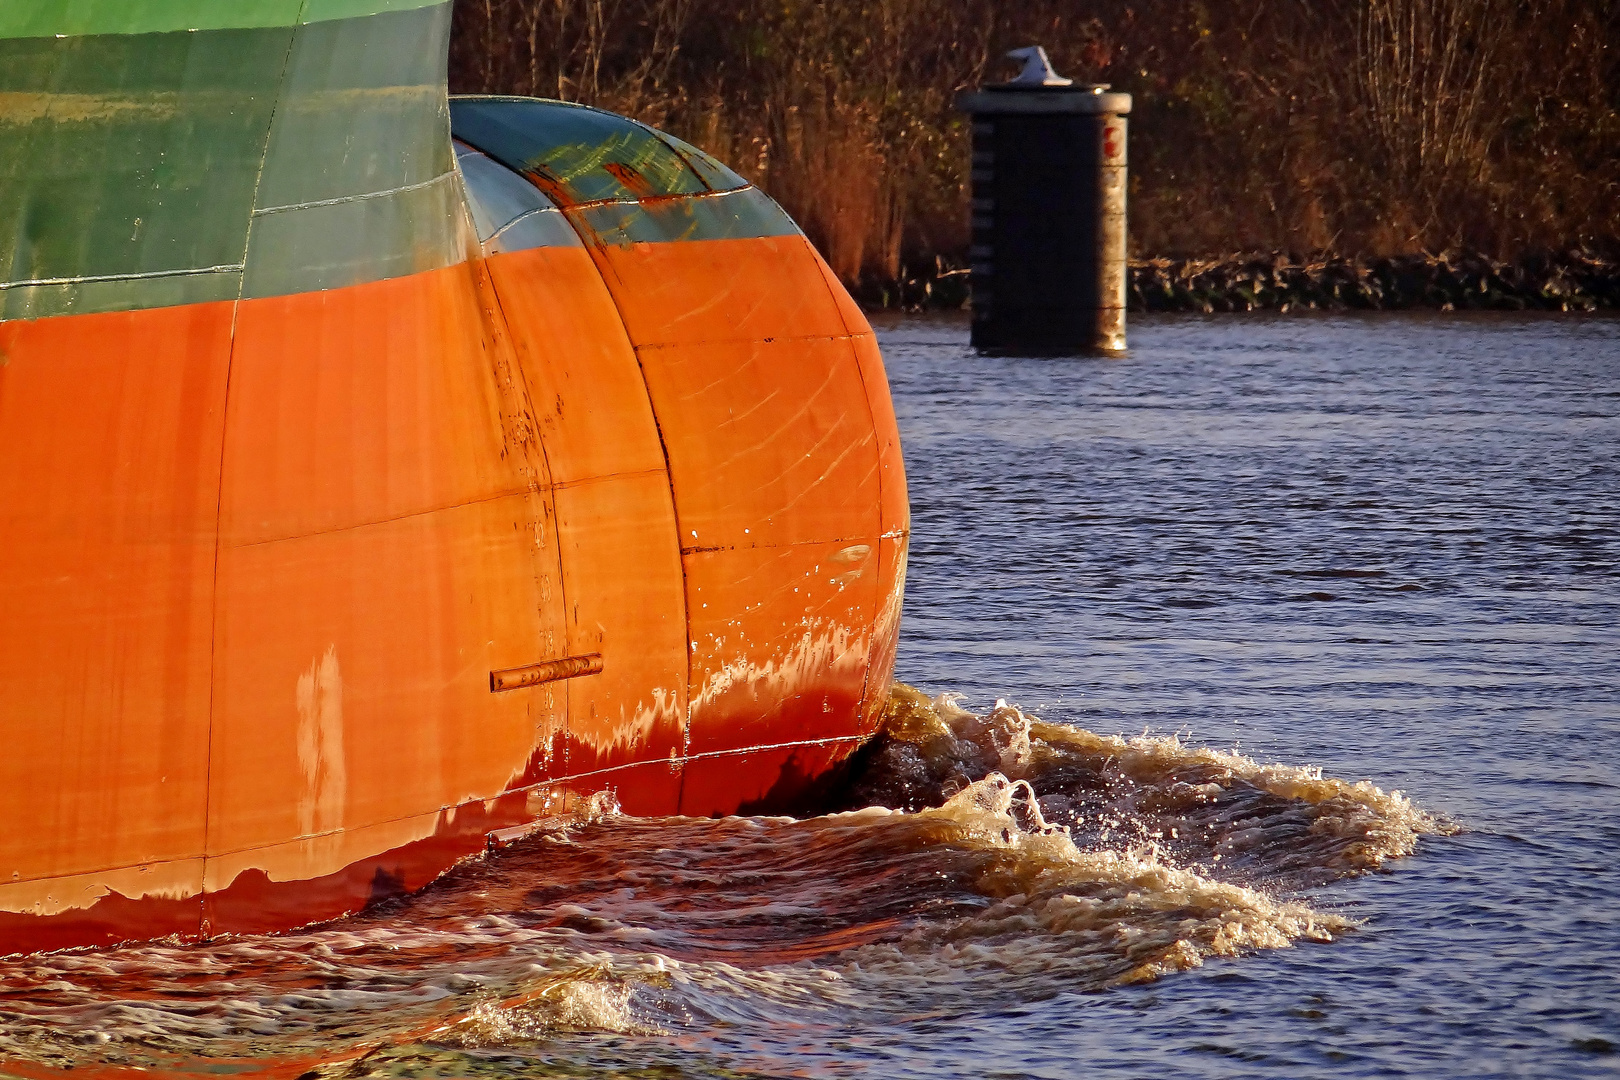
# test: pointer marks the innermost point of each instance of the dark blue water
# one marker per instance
(1387, 548)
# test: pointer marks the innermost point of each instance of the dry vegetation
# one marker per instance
(1343, 127)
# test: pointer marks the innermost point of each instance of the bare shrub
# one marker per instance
(1424, 66)
(1359, 127)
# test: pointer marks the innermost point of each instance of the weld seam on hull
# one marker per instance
(92, 279)
(547, 671)
(428, 512)
(495, 236)
(857, 539)
(216, 612)
(668, 485)
(268, 210)
(583, 481)
(873, 644)
(167, 861)
(784, 340)
(654, 200)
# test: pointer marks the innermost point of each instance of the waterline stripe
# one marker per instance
(676, 759)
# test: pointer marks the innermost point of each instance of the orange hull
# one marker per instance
(269, 563)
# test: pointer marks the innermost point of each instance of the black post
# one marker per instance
(1048, 255)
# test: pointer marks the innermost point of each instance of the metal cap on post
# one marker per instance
(1048, 255)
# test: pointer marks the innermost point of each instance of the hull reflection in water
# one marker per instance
(1014, 859)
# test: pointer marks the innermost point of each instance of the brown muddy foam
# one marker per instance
(1275, 825)
(992, 859)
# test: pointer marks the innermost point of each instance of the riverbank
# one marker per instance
(1277, 281)
(1363, 127)
(1568, 281)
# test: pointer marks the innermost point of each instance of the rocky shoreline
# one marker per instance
(1277, 281)
(1568, 281)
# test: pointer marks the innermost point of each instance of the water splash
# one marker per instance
(1276, 825)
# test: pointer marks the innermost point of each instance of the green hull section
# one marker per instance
(620, 182)
(157, 168)
(84, 18)
(729, 215)
(145, 169)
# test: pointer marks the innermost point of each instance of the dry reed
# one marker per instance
(1350, 127)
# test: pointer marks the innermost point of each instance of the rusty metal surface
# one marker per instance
(568, 667)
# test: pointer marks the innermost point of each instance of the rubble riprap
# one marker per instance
(1570, 281)
(1276, 281)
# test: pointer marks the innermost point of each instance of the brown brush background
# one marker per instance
(1350, 127)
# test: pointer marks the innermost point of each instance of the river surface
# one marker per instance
(1287, 745)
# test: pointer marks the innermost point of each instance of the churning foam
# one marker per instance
(1279, 825)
